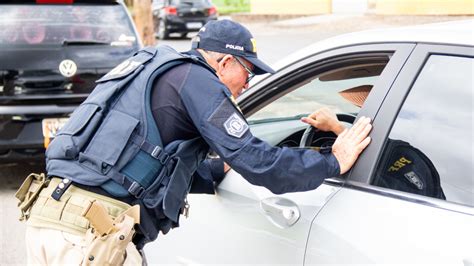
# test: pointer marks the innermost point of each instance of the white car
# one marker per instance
(410, 196)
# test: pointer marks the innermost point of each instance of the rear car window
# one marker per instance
(192, 2)
(60, 24)
(429, 150)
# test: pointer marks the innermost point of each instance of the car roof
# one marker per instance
(459, 32)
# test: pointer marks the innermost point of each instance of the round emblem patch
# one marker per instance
(235, 126)
(67, 68)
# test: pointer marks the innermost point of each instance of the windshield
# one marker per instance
(65, 24)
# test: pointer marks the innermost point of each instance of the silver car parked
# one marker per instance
(410, 196)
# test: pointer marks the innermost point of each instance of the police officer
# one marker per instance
(191, 101)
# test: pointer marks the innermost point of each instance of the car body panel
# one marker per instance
(374, 229)
(352, 221)
(453, 32)
(239, 201)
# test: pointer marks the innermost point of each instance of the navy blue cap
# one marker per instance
(229, 37)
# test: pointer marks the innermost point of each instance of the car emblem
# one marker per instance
(67, 68)
(193, 10)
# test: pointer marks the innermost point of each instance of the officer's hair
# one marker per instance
(213, 55)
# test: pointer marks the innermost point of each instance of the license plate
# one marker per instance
(52, 125)
(194, 25)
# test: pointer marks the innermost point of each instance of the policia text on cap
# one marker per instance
(140, 139)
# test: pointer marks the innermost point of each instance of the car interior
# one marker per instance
(342, 89)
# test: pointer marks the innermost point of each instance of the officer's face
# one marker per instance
(234, 73)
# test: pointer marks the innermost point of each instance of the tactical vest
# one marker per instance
(111, 140)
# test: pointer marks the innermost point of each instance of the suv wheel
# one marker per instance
(163, 33)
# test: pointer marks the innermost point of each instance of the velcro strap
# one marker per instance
(99, 218)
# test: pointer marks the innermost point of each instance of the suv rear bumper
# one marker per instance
(177, 24)
(21, 136)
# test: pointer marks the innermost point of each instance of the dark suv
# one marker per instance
(50, 57)
(181, 16)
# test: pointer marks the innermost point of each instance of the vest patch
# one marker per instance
(123, 69)
(414, 179)
(235, 126)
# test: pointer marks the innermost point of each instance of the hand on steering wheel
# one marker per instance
(314, 135)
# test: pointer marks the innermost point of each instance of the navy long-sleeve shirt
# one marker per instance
(189, 101)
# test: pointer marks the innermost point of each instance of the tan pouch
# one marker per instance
(109, 248)
(29, 191)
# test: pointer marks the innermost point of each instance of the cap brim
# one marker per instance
(259, 66)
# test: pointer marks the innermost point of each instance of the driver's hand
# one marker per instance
(351, 142)
(324, 119)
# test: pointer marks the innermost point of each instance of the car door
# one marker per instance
(422, 212)
(247, 224)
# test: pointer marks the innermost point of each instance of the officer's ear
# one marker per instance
(226, 61)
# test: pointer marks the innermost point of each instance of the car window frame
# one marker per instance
(362, 172)
(257, 96)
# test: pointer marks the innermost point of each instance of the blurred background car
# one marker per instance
(181, 16)
(50, 57)
(412, 205)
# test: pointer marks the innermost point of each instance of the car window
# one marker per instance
(429, 149)
(328, 89)
(190, 2)
(54, 24)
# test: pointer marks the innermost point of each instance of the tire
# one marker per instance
(163, 33)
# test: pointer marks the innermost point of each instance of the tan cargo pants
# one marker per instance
(60, 233)
(53, 247)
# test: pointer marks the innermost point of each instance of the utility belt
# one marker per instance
(107, 223)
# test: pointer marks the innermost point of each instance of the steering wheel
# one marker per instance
(315, 137)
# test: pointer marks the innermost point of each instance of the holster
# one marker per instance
(29, 191)
(107, 239)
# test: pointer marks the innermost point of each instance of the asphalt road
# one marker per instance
(274, 41)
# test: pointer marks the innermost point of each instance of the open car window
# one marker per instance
(340, 89)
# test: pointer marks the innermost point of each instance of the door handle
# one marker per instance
(280, 211)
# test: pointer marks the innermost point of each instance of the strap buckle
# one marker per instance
(136, 190)
(160, 155)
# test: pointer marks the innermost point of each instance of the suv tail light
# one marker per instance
(212, 10)
(171, 10)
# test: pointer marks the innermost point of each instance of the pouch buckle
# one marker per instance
(160, 155)
(136, 190)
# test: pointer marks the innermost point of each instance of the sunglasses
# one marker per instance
(250, 73)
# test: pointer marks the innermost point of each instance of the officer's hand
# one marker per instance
(351, 142)
(226, 167)
(324, 119)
